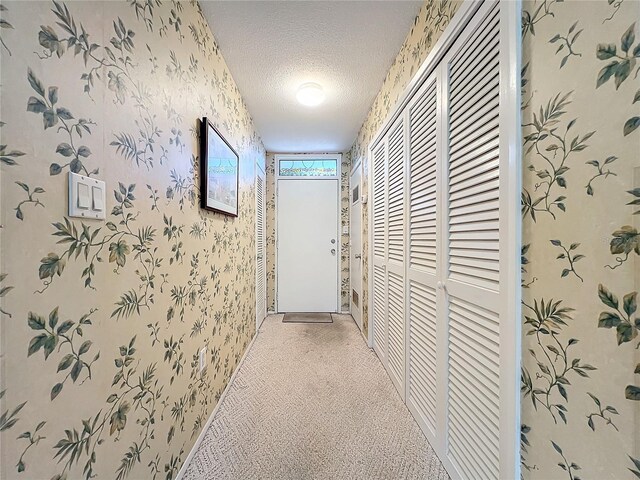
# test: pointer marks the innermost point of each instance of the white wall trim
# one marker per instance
(203, 432)
(511, 276)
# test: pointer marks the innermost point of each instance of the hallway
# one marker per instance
(312, 401)
(460, 177)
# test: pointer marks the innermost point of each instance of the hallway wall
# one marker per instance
(102, 321)
(581, 187)
(581, 247)
(270, 236)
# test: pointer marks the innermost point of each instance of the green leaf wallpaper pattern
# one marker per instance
(160, 279)
(579, 166)
(103, 320)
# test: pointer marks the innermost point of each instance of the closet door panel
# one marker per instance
(396, 253)
(471, 234)
(379, 247)
(422, 257)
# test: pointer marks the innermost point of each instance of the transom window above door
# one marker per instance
(312, 167)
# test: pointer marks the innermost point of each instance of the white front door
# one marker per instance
(355, 242)
(307, 245)
(261, 287)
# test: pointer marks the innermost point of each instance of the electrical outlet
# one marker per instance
(203, 358)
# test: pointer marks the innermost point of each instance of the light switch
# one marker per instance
(98, 198)
(86, 197)
(84, 200)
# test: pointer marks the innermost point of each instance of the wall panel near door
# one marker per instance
(446, 247)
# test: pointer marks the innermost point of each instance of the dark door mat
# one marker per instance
(307, 318)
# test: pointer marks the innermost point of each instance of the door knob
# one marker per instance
(333, 240)
(357, 255)
(333, 251)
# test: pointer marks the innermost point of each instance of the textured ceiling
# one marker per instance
(272, 47)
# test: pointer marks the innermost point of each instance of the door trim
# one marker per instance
(338, 177)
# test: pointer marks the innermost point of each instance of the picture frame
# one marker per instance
(219, 171)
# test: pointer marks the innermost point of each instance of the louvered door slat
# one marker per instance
(396, 194)
(379, 201)
(474, 157)
(379, 310)
(422, 221)
(476, 463)
(482, 71)
(485, 104)
(479, 456)
(474, 190)
(482, 36)
(395, 352)
(261, 289)
(422, 351)
(464, 408)
(485, 163)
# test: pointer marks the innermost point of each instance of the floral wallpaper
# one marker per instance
(270, 236)
(102, 321)
(581, 246)
(433, 18)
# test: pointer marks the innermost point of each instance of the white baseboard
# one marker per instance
(203, 432)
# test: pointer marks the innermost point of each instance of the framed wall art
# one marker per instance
(219, 169)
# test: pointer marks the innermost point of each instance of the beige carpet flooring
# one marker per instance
(311, 401)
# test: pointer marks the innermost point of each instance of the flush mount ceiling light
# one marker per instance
(310, 94)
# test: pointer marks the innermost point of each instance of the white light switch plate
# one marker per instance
(87, 197)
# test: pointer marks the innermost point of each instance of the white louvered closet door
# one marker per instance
(379, 248)
(423, 169)
(472, 248)
(261, 287)
(445, 244)
(396, 253)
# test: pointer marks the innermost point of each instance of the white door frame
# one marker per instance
(338, 178)
(260, 171)
(357, 166)
(510, 150)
